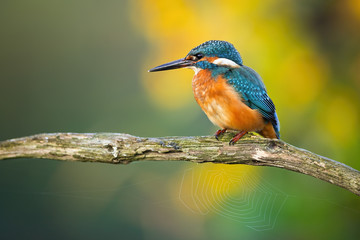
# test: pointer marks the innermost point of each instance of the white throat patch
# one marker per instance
(226, 63)
(196, 70)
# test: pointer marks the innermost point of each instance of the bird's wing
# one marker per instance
(249, 84)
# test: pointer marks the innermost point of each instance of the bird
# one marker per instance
(232, 95)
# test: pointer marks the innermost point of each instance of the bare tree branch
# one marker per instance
(124, 148)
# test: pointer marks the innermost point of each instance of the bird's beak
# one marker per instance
(181, 63)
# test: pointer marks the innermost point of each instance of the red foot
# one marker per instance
(219, 133)
(237, 137)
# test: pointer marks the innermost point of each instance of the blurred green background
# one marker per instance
(81, 66)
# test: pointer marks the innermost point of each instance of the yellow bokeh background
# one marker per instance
(82, 66)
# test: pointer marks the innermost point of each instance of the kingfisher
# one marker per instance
(232, 95)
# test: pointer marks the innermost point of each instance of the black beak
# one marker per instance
(181, 63)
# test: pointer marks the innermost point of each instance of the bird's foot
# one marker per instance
(237, 137)
(219, 133)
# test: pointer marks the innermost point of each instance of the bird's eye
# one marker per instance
(199, 56)
(195, 57)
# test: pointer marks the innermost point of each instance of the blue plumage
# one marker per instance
(248, 83)
(243, 79)
(220, 49)
(218, 65)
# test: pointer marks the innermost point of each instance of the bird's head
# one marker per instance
(209, 54)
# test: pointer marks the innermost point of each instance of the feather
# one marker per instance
(253, 92)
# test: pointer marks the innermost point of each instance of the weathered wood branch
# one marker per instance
(124, 148)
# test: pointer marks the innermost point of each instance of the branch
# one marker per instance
(124, 148)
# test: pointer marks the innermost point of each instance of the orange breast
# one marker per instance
(223, 105)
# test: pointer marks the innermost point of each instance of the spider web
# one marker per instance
(240, 195)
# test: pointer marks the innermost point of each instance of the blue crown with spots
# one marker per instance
(220, 49)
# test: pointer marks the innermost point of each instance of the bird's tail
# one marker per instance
(276, 126)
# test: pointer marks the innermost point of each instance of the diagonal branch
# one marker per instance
(124, 148)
